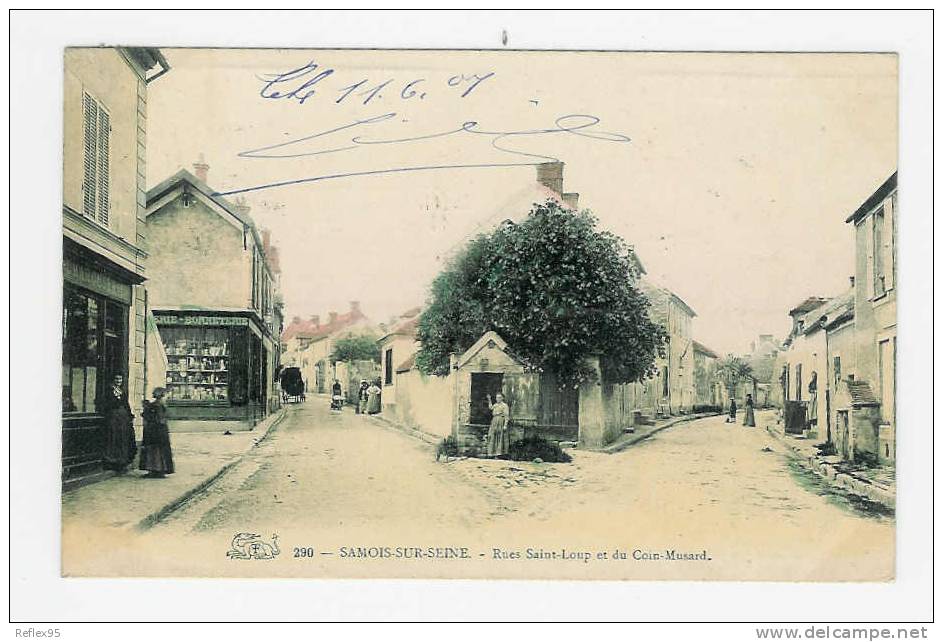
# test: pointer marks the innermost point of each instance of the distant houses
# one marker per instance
(836, 375)
(309, 344)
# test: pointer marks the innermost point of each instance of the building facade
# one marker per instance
(104, 263)
(875, 225)
(398, 347)
(213, 292)
(673, 388)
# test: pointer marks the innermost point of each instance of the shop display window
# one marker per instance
(198, 363)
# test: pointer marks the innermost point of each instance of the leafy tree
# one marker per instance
(556, 288)
(734, 370)
(356, 347)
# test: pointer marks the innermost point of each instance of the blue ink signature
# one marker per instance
(282, 86)
(582, 125)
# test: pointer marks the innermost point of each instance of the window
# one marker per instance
(93, 347)
(890, 232)
(198, 363)
(96, 183)
(388, 369)
(877, 252)
(836, 369)
(255, 278)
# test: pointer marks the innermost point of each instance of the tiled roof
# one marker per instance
(829, 311)
(808, 305)
(861, 394)
(703, 349)
(406, 325)
(307, 330)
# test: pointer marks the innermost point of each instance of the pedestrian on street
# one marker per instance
(732, 412)
(748, 419)
(120, 446)
(499, 438)
(373, 398)
(362, 397)
(156, 455)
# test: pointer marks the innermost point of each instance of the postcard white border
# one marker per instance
(39, 594)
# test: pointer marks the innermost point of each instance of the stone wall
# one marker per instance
(425, 402)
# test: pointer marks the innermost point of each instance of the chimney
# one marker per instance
(332, 316)
(571, 200)
(266, 238)
(295, 320)
(355, 308)
(851, 279)
(550, 175)
(201, 169)
(315, 320)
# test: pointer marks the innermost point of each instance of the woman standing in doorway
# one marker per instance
(748, 419)
(120, 446)
(499, 438)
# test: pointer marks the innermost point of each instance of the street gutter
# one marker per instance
(268, 425)
(847, 481)
(426, 437)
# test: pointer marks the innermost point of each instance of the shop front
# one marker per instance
(97, 298)
(217, 366)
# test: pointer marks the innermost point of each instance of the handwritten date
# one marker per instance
(305, 82)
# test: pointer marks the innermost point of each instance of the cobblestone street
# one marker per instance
(330, 480)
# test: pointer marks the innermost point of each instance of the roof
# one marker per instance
(307, 330)
(861, 394)
(826, 313)
(703, 349)
(659, 296)
(489, 339)
(879, 195)
(406, 325)
(808, 305)
(841, 319)
(183, 176)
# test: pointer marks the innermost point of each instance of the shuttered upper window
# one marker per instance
(97, 168)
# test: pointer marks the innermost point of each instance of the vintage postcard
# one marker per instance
(479, 314)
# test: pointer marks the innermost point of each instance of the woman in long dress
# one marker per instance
(373, 399)
(748, 419)
(156, 455)
(120, 445)
(499, 438)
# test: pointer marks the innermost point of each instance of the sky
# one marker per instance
(730, 174)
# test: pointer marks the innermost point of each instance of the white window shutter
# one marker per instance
(104, 170)
(90, 182)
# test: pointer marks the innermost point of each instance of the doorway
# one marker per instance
(484, 384)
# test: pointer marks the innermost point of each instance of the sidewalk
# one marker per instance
(134, 501)
(645, 431)
(876, 484)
